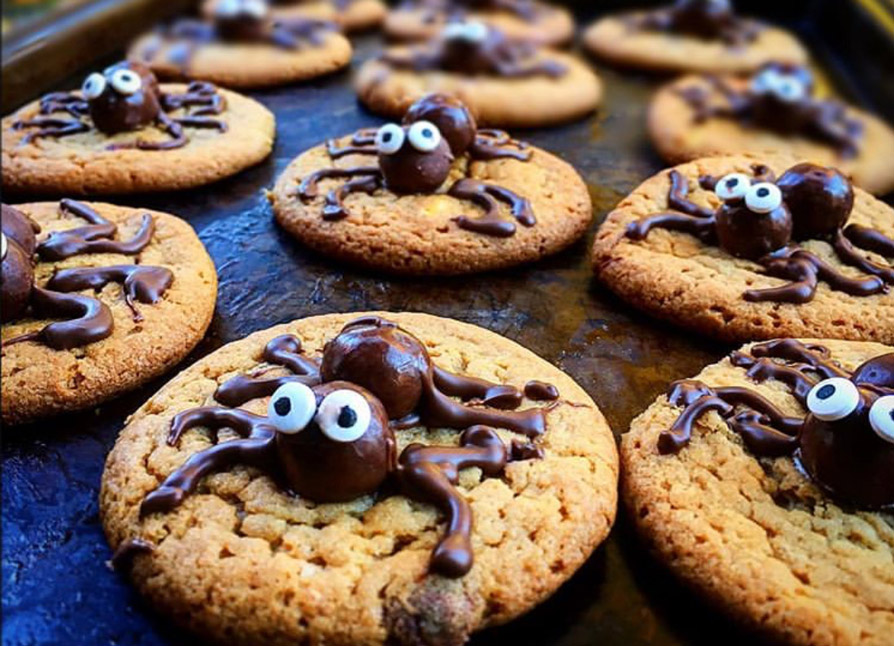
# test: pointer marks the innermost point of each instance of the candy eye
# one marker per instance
(390, 138)
(789, 89)
(126, 82)
(424, 136)
(454, 31)
(344, 415)
(732, 186)
(881, 418)
(833, 399)
(475, 31)
(227, 8)
(2, 246)
(291, 408)
(763, 197)
(94, 85)
(764, 81)
(255, 8)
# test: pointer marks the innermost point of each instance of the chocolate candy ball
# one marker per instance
(878, 371)
(382, 358)
(16, 280)
(128, 98)
(820, 199)
(705, 18)
(325, 470)
(453, 118)
(19, 227)
(746, 234)
(411, 170)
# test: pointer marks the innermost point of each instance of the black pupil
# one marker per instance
(387, 137)
(347, 417)
(892, 415)
(282, 406)
(826, 391)
(732, 183)
(427, 133)
(763, 192)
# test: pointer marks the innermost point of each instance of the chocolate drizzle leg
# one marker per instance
(486, 196)
(430, 474)
(90, 320)
(95, 238)
(141, 283)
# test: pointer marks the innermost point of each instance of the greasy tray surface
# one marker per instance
(56, 587)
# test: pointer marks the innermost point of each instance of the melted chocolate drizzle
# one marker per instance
(486, 196)
(90, 320)
(141, 283)
(733, 30)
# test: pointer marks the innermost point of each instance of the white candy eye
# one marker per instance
(881, 418)
(126, 81)
(227, 8)
(291, 408)
(789, 89)
(344, 415)
(424, 136)
(390, 138)
(475, 31)
(732, 186)
(2, 246)
(94, 85)
(764, 81)
(833, 399)
(255, 8)
(763, 197)
(454, 31)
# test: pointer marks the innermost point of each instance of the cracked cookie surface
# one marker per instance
(678, 278)
(243, 562)
(39, 381)
(755, 536)
(82, 164)
(415, 234)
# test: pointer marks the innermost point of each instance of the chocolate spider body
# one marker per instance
(705, 19)
(86, 319)
(845, 442)
(475, 49)
(329, 433)
(764, 221)
(779, 97)
(126, 97)
(418, 157)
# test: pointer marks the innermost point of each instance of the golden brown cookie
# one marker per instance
(692, 282)
(528, 101)
(350, 15)
(83, 163)
(242, 557)
(523, 210)
(243, 64)
(755, 534)
(546, 25)
(146, 338)
(679, 136)
(615, 39)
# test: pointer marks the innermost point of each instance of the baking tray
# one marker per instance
(56, 586)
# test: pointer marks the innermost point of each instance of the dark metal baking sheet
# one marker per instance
(56, 587)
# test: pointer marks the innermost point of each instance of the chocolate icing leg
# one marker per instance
(245, 423)
(307, 189)
(496, 144)
(95, 238)
(50, 127)
(814, 356)
(678, 197)
(255, 451)
(74, 105)
(141, 283)
(91, 320)
(334, 208)
(760, 370)
(362, 143)
(702, 228)
(870, 239)
(430, 473)
(486, 196)
(849, 255)
(500, 396)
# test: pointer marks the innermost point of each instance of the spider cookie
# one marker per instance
(123, 133)
(765, 483)
(775, 110)
(520, 20)
(691, 35)
(244, 45)
(392, 478)
(350, 15)
(97, 299)
(727, 248)
(504, 83)
(435, 195)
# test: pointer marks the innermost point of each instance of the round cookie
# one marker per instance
(614, 39)
(272, 567)
(495, 203)
(361, 15)
(415, 21)
(680, 134)
(277, 52)
(224, 133)
(754, 534)
(688, 279)
(528, 101)
(41, 376)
